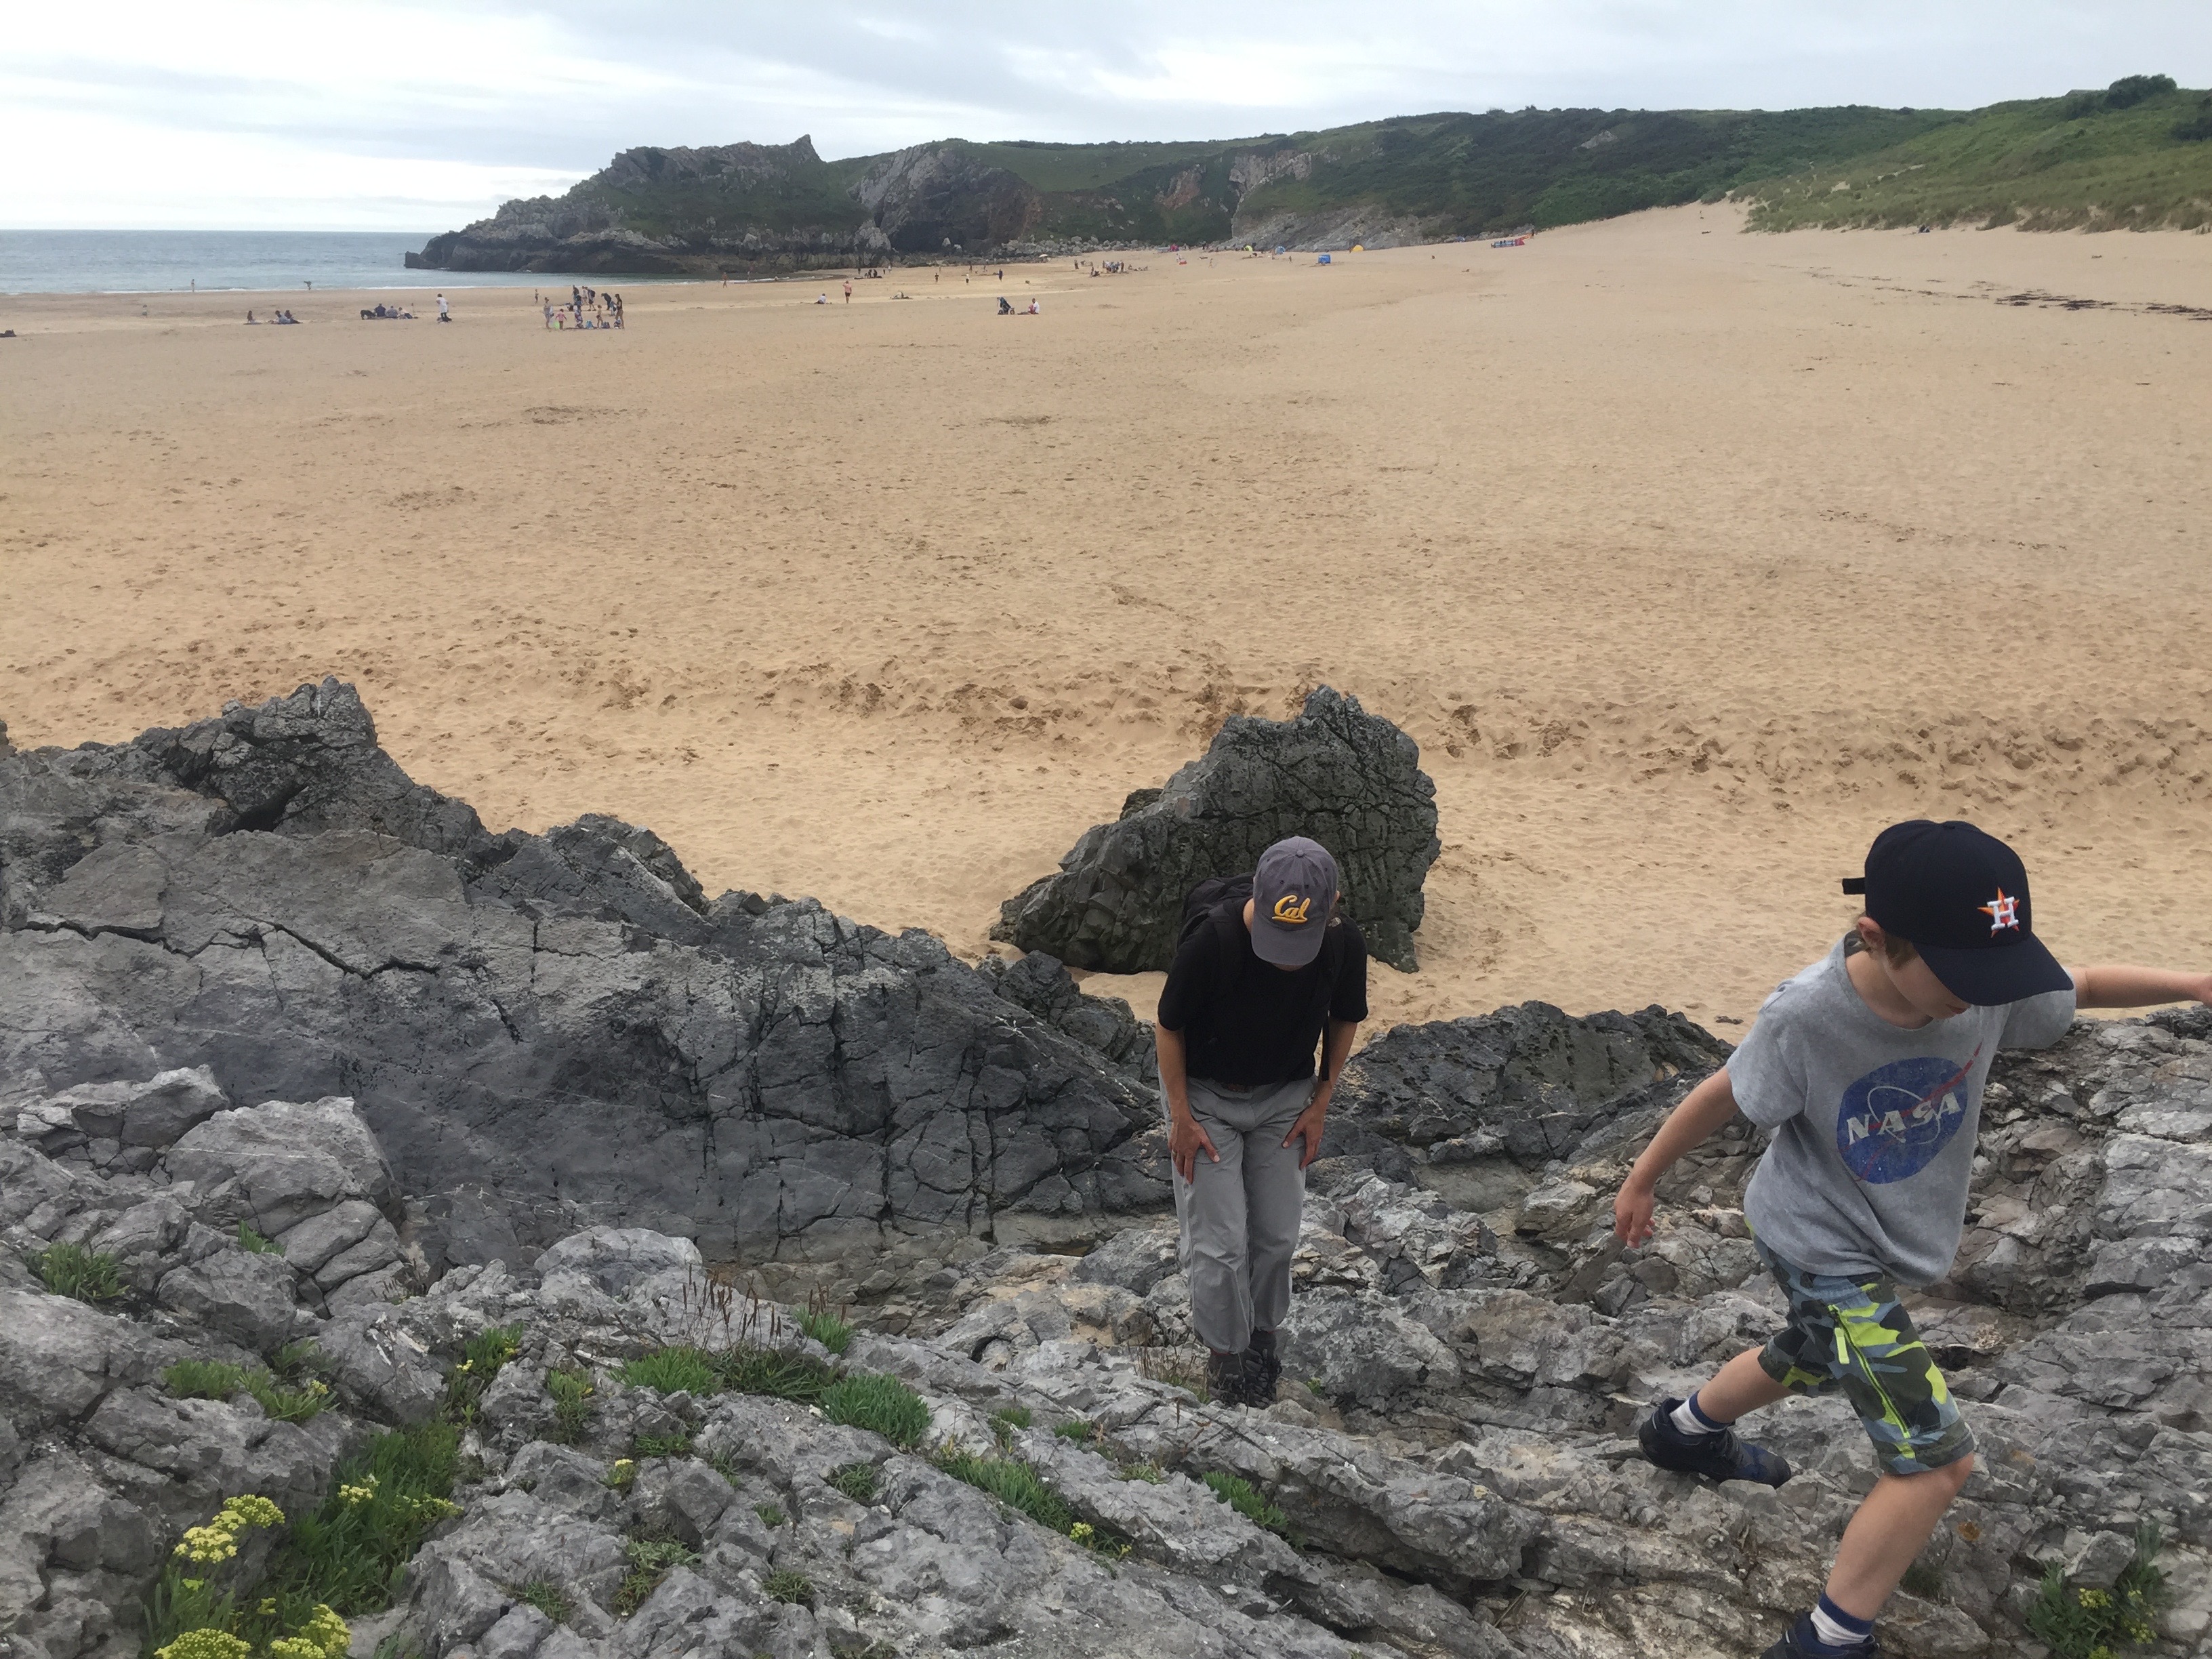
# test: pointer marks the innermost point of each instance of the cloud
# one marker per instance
(380, 113)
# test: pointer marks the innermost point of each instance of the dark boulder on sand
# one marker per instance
(1349, 779)
(548, 1032)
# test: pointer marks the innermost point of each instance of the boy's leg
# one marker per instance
(1210, 1207)
(1274, 1206)
(1894, 1524)
(1739, 1388)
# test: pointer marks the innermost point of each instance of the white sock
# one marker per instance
(1834, 1631)
(1689, 1420)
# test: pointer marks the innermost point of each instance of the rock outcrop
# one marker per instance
(1350, 780)
(543, 1031)
(1449, 1472)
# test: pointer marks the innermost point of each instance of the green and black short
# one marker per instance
(1854, 1334)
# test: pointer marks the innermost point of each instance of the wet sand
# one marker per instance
(1690, 558)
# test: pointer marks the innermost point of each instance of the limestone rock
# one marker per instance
(1348, 778)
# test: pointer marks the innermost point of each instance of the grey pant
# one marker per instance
(1240, 1217)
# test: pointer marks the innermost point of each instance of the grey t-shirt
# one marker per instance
(1874, 1125)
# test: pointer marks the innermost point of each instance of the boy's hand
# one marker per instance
(1632, 1212)
(1185, 1136)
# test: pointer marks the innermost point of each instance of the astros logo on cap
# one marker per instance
(2002, 913)
(1290, 911)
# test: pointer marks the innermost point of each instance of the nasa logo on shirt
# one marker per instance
(1895, 1120)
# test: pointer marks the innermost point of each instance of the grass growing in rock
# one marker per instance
(2076, 1622)
(785, 1585)
(481, 1360)
(212, 1379)
(882, 1405)
(770, 1516)
(674, 1370)
(1078, 1430)
(547, 1597)
(1004, 1422)
(832, 1330)
(72, 1270)
(857, 1481)
(256, 1243)
(662, 1445)
(572, 1405)
(1249, 1501)
(1021, 1488)
(650, 1561)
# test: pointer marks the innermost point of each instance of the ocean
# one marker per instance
(266, 261)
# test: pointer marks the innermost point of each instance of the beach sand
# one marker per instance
(1690, 558)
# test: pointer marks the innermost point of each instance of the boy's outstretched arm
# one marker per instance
(1703, 1110)
(2117, 985)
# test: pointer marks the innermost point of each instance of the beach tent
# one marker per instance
(1322, 260)
(1356, 248)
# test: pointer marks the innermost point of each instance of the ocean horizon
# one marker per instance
(237, 261)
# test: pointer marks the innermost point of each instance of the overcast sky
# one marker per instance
(374, 113)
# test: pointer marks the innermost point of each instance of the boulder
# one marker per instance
(1350, 780)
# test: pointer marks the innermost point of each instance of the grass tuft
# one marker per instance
(485, 1355)
(663, 1445)
(882, 1404)
(572, 1405)
(1078, 1430)
(256, 1243)
(1020, 1487)
(650, 1560)
(212, 1379)
(831, 1329)
(1249, 1501)
(857, 1481)
(547, 1597)
(785, 1585)
(770, 1516)
(72, 1270)
(780, 1375)
(674, 1370)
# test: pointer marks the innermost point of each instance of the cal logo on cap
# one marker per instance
(1291, 910)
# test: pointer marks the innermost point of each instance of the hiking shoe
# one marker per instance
(1225, 1378)
(1263, 1370)
(1717, 1456)
(1802, 1644)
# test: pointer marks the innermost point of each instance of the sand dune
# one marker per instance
(1689, 557)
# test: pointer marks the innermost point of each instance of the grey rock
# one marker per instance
(613, 1259)
(153, 1113)
(58, 1358)
(375, 1355)
(1350, 780)
(1106, 1025)
(1358, 1350)
(321, 1237)
(284, 1161)
(373, 1253)
(247, 1298)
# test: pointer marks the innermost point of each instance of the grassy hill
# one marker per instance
(2138, 155)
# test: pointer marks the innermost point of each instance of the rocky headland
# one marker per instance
(499, 1243)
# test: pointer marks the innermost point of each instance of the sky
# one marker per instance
(389, 114)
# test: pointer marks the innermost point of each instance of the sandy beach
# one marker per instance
(1689, 557)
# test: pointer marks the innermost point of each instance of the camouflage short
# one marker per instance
(1854, 1334)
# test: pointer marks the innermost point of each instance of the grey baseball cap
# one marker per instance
(1293, 890)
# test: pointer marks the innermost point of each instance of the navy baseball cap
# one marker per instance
(1293, 891)
(1960, 895)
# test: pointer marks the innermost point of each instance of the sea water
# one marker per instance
(265, 261)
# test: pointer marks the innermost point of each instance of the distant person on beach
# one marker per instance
(848, 290)
(249, 316)
(444, 315)
(1265, 972)
(821, 299)
(1868, 1068)
(549, 316)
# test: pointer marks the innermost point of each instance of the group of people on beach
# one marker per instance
(1868, 1069)
(275, 317)
(586, 309)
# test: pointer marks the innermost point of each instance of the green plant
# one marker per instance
(482, 1359)
(72, 1270)
(1248, 1501)
(210, 1379)
(546, 1596)
(785, 1585)
(1076, 1430)
(857, 1481)
(2081, 1623)
(771, 1371)
(723, 1465)
(352, 1552)
(295, 1358)
(1177, 1369)
(882, 1404)
(622, 1474)
(770, 1517)
(1314, 1385)
(572, 1404)
(1922, 1580)
(674, 1370)
(663, 1445)
(650, 1560)
(1010, 1480)
(1151, 1473)
(255, 1243)
(832, 1330)
(1004, 1422)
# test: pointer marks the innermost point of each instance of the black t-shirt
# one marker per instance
(1246, 1021)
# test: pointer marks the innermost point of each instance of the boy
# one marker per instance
(1252, 991)
(1868, 1068)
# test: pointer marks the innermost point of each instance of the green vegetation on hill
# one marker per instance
(2138, 155)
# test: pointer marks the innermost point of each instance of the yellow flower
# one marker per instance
(208, 1545)
(252, 1511)
(205, 1645)
(355, 1496)
(2094, 1598)
(268, 1605)
(1081, 1531)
